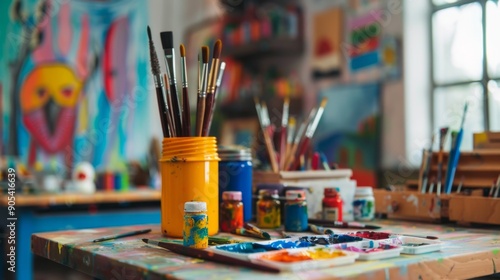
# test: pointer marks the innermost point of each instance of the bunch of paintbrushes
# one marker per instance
(293, 143)
(173, 107)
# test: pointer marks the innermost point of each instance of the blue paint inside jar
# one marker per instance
(237, 176)
(296, 216)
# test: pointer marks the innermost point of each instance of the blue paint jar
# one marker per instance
(296, 211)
(235, 174)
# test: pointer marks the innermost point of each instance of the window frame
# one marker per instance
(485, 78)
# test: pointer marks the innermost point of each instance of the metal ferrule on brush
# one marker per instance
(204, 81)
(213, 75)
(170, 61)
(158, 81)
(314, 124)
(183, 73)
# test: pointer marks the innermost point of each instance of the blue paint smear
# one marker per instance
(250, 247)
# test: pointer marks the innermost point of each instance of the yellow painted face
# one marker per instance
(56, 81)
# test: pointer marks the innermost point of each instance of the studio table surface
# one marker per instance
(466, 253)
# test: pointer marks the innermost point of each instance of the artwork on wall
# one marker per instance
(365, 36)
(390, 53)
(327, 37)
(75, 81)
(349, 132)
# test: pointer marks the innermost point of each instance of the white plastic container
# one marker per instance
(404, 241)
(348, 258)
(363, 204)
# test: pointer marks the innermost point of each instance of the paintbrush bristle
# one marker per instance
(204, 54)
(155, 63)
(183, 50)
(217, 49)
(323, 102)
(149, 34)
(291, 121)
(167, 39)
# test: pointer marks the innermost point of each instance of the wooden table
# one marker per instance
(466, 253)
(51, 212)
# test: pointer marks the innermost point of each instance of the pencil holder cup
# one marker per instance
(189, 172)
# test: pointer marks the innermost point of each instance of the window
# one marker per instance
(466, 65)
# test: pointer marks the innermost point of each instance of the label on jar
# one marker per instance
(363, 209)
(331, 213)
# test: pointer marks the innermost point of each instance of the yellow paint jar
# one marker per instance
(189, 172)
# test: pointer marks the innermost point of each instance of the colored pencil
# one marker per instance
(126, 234)
(209, 255)
(167, 42)
(186, 114)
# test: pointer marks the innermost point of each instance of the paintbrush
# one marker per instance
(263, 234)
(425, 178)
(223, 240)
(324, 161)
(337, 224)
(167, 42)
(455, 153)
(266, 127)
(319, 229)
(443, 132)
(249, 233)
(418, 236)
(163, 110)
(126, 234)
(283, 134)
(212, 77)
(459, 189)
(298, 137)
(202, 95)
(168, 98)
(284, 234)
(289, 138)
(217, 87)
(498, 187)
(186, 115)
(492, 189)
(304, 144)
(209, 255)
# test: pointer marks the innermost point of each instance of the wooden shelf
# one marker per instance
(100, 197)
(267, 47)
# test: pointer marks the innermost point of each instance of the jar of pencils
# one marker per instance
(235, 174)
(189, 172)
(296, 211)
(231, 211)
(195, 230)
(268, 209)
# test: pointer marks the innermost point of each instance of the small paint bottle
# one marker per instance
(364, 204)
(296, 211)
(332, 205)
(231, 211)
(268, 209)
(195, 230)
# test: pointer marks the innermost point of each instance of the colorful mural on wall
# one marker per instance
(74, 80)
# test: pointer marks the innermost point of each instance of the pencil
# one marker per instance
(209, 256)
(126, 234)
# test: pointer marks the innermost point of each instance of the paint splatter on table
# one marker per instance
(465, 253)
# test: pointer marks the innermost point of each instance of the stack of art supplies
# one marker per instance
(293, 143)
(175, 115)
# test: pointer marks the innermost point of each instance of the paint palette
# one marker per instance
(243, 250)
(415, 245)
(305, 258)
(372, 250)
(371, 235)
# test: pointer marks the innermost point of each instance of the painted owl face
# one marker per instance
(56, 82)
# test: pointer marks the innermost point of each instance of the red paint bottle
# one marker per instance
(332, 205)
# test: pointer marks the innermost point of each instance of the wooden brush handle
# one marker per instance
(186, 115)
(208, 111)
(176, 109)
(200, 114)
